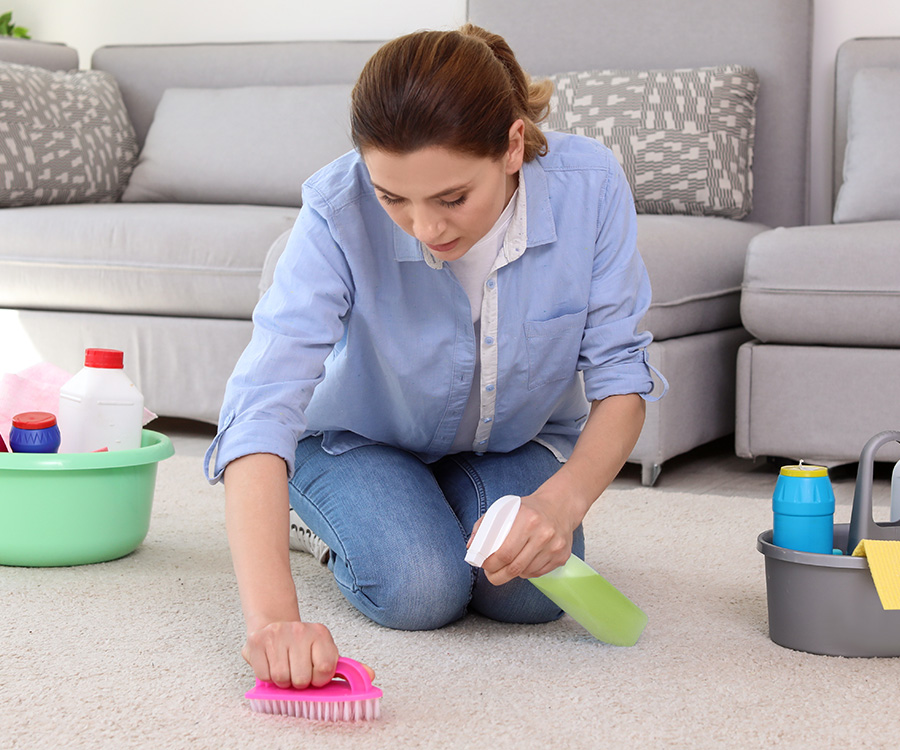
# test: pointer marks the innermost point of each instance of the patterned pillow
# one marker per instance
(64, 137)
(683, 137)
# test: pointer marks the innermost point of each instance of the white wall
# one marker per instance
(88, 24)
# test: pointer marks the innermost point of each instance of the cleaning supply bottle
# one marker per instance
(598, 606)
(803, 510)
(100, 407)
(34, 432)
(895, 493)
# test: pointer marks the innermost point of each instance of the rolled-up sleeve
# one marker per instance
(295, 327)
(613, 356)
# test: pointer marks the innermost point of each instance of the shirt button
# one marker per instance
(491, 283)
(489, 387)
(488, 419)
(482, 442)
(488, 340)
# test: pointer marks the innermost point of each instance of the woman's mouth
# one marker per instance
(445, 248)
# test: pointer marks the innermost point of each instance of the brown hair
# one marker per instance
(455, 89)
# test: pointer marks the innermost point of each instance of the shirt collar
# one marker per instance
(516, 233)
(429, 257)
(541, 226)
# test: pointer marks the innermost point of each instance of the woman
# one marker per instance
(454, 319)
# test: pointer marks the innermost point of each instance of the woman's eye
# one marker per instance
(391, 201)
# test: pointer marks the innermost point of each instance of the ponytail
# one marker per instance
(460, 90)
(532, 98)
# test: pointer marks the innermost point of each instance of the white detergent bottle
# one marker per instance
(598, 606)
(100, 407)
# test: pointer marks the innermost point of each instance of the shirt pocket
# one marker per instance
(552, 347)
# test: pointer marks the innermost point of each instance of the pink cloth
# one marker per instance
(34, 389)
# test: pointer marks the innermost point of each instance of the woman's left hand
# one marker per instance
(539, 541)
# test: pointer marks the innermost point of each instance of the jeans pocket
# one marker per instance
(553, 347)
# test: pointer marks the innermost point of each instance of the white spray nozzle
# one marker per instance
(494, 528)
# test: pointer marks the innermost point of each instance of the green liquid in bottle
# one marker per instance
(598, 606)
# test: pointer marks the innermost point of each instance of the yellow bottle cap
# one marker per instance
(804, 470)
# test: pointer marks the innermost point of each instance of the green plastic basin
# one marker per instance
(77, 508)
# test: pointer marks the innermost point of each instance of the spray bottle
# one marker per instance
(598, 606)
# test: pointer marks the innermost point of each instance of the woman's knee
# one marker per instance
(517, 601)
(424, 590)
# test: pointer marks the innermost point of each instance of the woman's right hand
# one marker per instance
(297, 654)
(280, 648)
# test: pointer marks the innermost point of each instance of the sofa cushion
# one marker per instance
(64, 137)
(695, 266)
(157, 259)
(254, 144)
(684, 137)
(833, 285)
(870, 190)
(49, 55)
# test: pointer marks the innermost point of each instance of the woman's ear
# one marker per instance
(515, 155)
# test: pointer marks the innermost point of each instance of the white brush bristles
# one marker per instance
(362, 710)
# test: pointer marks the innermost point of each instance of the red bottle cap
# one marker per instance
(34, 420)
(108, 359)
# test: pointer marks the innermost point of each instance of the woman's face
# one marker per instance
(446, 199)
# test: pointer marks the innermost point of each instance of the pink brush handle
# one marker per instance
(352, 671)
(355, 674)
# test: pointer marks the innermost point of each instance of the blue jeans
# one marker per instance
(397, 529)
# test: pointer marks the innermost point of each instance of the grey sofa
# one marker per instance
(172, 277)
(821, 376)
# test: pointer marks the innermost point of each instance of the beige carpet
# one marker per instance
(144, 652)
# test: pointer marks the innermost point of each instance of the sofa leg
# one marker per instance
(650, 473)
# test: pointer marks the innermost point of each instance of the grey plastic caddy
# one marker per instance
(827, 604)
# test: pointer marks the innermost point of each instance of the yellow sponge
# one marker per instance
(884, 564)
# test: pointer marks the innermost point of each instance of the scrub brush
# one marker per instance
(349, 697)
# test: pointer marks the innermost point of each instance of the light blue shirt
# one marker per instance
(366, 338)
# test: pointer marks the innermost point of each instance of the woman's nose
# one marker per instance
(428, 226)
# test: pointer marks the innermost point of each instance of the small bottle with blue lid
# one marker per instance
(803, 508)
(34, 432)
